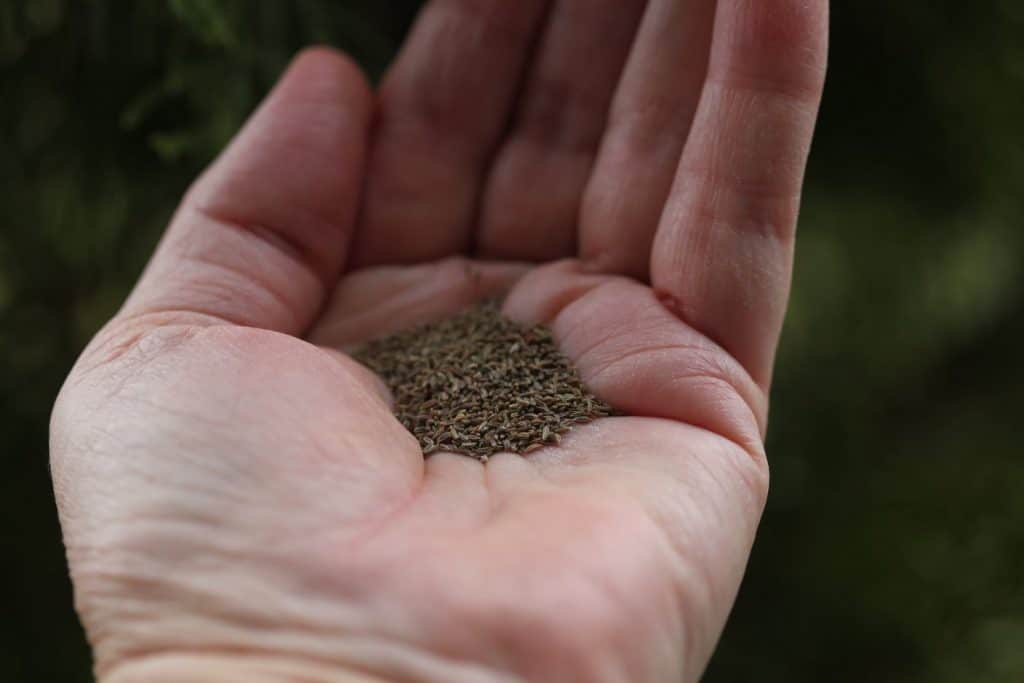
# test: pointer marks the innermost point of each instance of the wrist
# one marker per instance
(213, 668)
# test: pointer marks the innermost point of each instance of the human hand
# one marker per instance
(237, 500)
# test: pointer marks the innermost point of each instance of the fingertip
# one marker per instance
(545, 291)
(324, 67)
(325, 80)
(297, 164)
(778, 45)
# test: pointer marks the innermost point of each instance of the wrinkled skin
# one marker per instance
(237, 500)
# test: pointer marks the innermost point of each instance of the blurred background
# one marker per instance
(893, 544)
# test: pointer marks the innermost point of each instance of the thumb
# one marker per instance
(261, 237)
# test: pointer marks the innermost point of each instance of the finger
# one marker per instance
(649, 120)
(260, 238)
(443, 107)
(531, 205)
(723, 252)
(637, 356)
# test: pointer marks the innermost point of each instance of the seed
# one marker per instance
(478, 384)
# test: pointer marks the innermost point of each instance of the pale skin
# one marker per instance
(238, 502)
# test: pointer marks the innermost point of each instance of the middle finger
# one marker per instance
(531, 203)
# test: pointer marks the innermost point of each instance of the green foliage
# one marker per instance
(207, 20)
(891, 548)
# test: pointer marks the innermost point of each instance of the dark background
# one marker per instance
(893, 544)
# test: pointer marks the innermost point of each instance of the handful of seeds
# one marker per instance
(480, 384)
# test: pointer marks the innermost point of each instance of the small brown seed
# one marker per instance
(479, 383)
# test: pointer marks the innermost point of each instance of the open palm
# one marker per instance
(238, 500)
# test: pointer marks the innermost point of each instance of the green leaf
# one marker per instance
(207, 19)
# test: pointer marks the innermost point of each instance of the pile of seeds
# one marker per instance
(480, 384)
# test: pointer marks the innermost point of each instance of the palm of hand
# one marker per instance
(300, 518)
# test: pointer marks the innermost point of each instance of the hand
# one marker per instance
(237, 500)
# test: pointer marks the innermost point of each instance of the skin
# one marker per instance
(238, 502)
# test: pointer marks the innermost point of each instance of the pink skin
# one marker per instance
(238, 502)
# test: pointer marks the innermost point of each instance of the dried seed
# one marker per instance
(479, 383)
